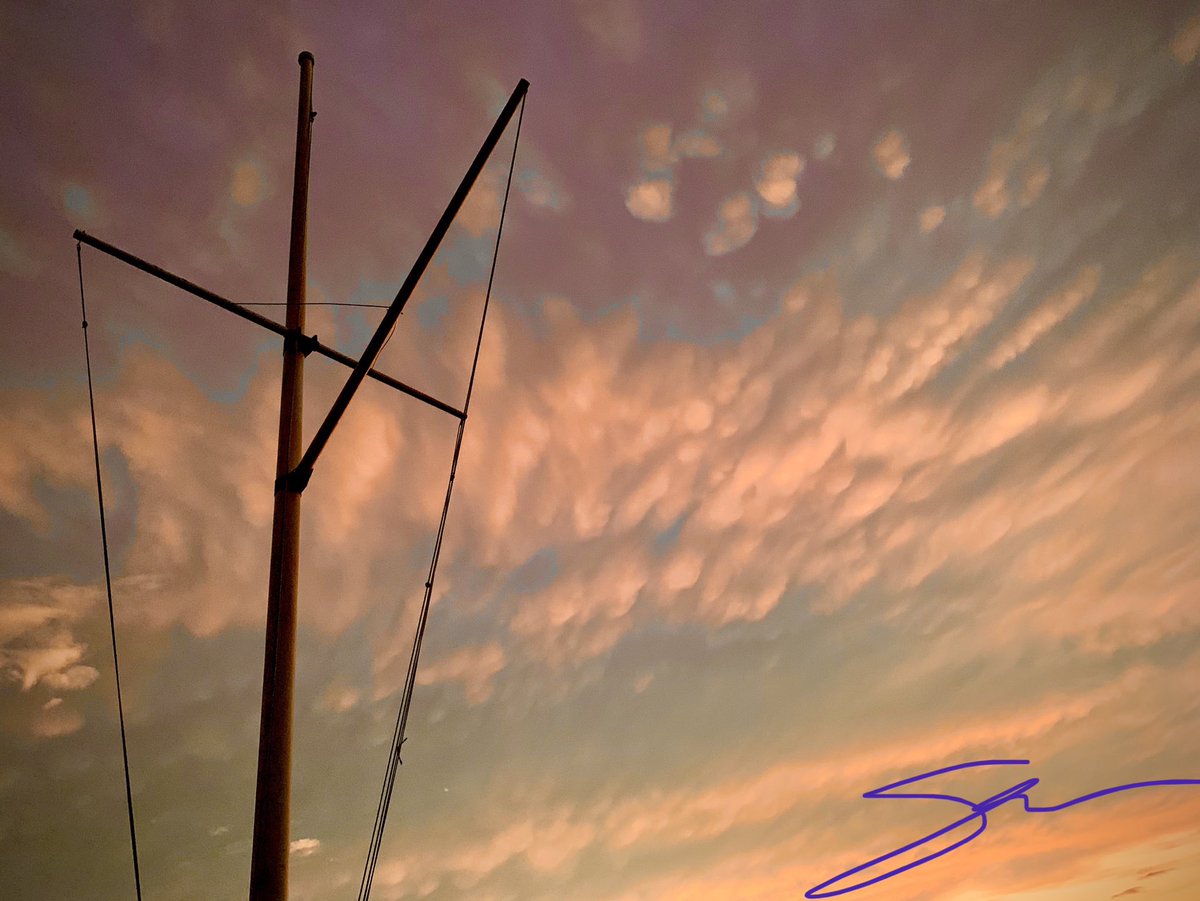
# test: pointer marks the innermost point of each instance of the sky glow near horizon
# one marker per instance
(837, 421)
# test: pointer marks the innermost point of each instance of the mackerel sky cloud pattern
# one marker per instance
(836, 421)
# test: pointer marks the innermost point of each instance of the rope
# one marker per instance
(112, 621)
(398, 738)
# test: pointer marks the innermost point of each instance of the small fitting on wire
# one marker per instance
(306, 344)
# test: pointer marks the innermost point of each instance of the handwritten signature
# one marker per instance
(978, 811)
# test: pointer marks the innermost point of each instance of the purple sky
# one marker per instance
(836, 422)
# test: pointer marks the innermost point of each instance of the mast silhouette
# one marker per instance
(272, 804)
(273, 788)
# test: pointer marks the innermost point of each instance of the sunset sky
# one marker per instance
(837, 420)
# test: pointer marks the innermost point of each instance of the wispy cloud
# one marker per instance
(891, 154)
(735, 225)
(651, 200)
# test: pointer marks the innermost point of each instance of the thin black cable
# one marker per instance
(398, 738)
(112, 620)
(487, 297)
(321, 303)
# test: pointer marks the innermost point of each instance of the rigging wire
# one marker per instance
(321, 303)
(398, 738)
(112, 621)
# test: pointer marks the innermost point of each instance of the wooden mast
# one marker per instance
(272, 796)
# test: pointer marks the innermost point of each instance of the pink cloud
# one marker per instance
(475, 667)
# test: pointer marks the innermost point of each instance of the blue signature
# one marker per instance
(979, 811)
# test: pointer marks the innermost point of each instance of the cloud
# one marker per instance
(728, 96)
(737, 221)
(585, 613)
(46, 437)
(616, 25)
(480, 212)
(891, 154)
(970, 491)
(1064, 117)
(304, 847)
(928, 333)
(339, 699)
(1185, 45)
(601, 446)
(546, 844)
(650, 200)
(248, 185)
(1036, 176)
(931, 218)
(698, 144)
(40, 647)
(651, 197)
(1045, 317)
(991, 197)
(657, 151)
(714, 106)
(56, 722)
(776, 183)
(79, 201)
(38, 644)
(861, 448)
(73, 679)
(33, 665)
(14, 259)
(1090, 860)
(824, 146)
(695, 815)
(474, 667)
(540, 191)
(198, 549)
(543, 841)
